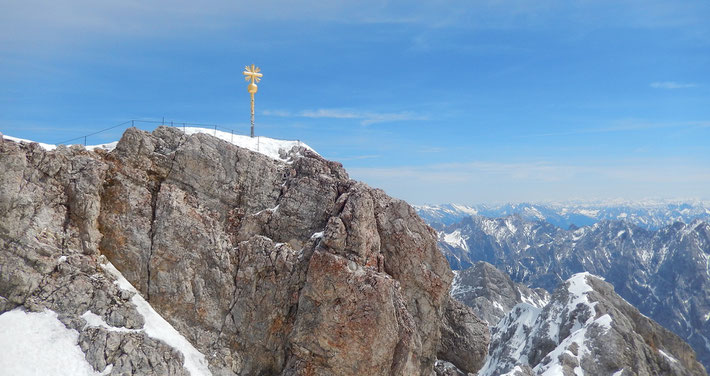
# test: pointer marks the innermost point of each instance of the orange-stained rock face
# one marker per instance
(349, 318)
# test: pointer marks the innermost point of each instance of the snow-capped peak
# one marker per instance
(454, 239)
(564, 322)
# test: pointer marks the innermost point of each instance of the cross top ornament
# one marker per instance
(251, 74)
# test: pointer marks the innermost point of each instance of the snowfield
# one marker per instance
(37, 343)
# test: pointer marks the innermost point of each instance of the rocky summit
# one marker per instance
(257, 266)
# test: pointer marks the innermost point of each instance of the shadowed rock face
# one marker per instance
(464, 338)
(266, 267)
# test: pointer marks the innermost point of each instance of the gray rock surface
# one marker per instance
(444, 368)
(265, 267)
(464, 338)
(491, 293)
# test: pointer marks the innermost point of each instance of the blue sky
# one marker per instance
(437, 101)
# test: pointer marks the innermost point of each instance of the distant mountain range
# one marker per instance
(649, 215)
(665, 272)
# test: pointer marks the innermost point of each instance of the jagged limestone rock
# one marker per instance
(49, 235)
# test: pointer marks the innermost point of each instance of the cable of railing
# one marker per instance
(95, 133)
(178, 122)
(172, 124)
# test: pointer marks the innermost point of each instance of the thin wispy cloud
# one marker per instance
(432, 149)
(358, 157)
(63, 22)
(451, 173)
(628, 126)
(670, 85)
(484, 181)
(365, 117)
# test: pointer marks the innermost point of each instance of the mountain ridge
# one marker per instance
(648, 214)
(664, 273)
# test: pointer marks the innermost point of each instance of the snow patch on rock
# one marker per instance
(270, 147)
(49, 147)
(156, 327)
(94, 320)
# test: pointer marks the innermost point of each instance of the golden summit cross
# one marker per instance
(251, 73)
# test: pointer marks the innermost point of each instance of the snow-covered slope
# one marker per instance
(107, 146)
(156, 327)
(439, 216)
(37, 343)
(271, 147)
(586, 329)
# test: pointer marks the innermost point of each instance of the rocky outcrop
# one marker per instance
(265, 267)
(464, 338)
(491, 293)
(444, 368)
(586, 328)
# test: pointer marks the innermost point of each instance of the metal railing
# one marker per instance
(175, 124)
